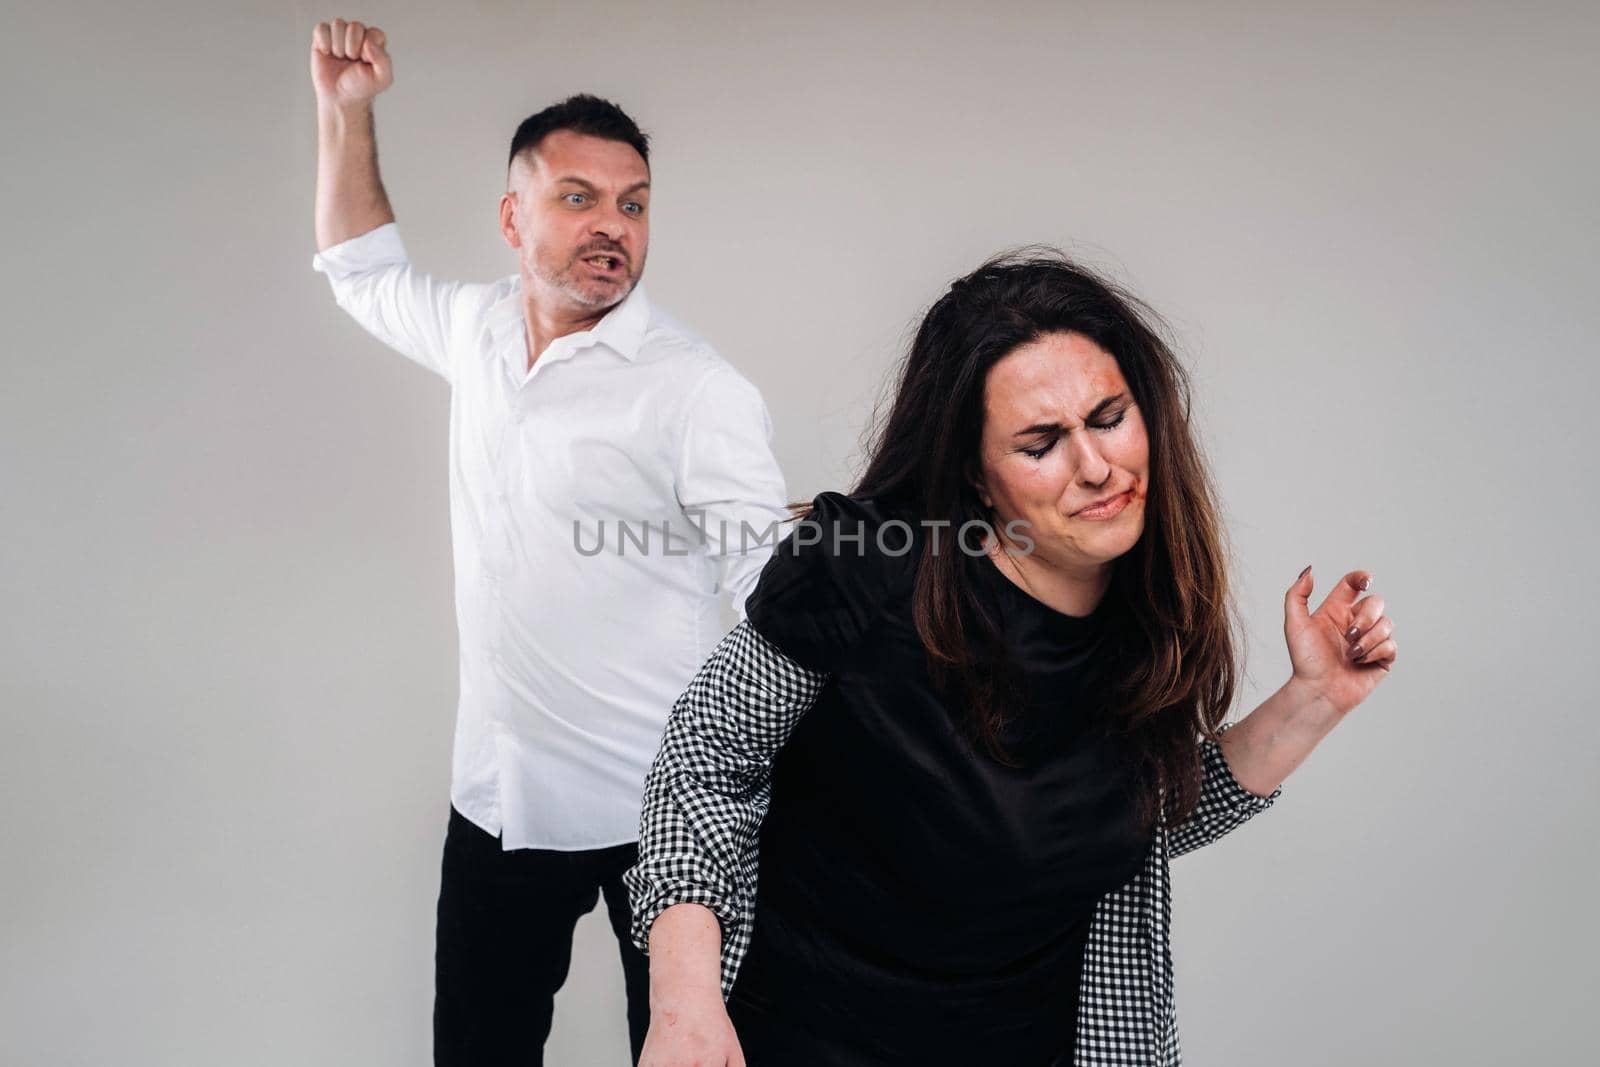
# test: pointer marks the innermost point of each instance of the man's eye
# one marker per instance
(575, 198)
(633, 208)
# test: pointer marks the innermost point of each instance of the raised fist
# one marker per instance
(348, 62)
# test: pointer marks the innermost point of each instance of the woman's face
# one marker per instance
(1064, 450)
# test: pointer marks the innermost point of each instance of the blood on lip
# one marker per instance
(1107, 502)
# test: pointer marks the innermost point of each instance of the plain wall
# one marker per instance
(227, 663)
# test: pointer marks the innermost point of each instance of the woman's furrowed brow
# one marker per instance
(1052, 427)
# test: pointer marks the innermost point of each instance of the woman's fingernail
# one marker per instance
(1304, 572)
(1350, 634)
(1355, 653)
(1366, 582)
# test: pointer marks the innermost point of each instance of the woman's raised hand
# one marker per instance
(1346, 647)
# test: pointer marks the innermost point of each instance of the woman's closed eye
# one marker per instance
(1043, 449)
(1039, 453)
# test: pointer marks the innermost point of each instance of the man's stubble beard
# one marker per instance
(598, 298)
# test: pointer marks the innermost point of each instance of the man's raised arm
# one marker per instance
(358, 247)
(348, 68)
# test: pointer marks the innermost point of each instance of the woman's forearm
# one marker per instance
(1265, 747)
(685, 957)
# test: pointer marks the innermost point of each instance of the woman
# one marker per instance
(975, 706)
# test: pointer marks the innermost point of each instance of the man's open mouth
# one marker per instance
(605, 263)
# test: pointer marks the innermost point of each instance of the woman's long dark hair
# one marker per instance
(1175, 667)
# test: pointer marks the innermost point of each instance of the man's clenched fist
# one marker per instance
(348, 63)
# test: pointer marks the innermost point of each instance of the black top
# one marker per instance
(919, 901)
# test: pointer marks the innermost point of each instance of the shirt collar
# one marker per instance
(621, 329)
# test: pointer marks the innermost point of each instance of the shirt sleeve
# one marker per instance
(829, 578)
(1224, 805)
(374, 281)
(709, 787)
(729, 485)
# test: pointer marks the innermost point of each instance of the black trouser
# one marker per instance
(504, 942)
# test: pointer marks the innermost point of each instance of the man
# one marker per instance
(577, 409)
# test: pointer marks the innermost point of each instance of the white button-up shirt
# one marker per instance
(599, 505)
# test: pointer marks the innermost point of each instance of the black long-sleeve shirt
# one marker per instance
(945, 862)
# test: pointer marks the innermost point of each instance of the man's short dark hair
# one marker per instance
(583, 114)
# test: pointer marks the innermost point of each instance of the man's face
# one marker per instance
(577, 211)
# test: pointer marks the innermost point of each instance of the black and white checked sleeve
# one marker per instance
(709, 786)
(1127, 1016)
(1224, 806)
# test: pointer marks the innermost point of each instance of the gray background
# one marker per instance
(228, 651)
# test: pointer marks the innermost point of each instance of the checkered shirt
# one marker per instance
(708, 791)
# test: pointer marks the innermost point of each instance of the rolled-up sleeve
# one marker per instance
(729, 484)
(1224, 805)
(709, 787)
(411, 312)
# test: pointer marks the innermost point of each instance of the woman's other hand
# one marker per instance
(694, 1033)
